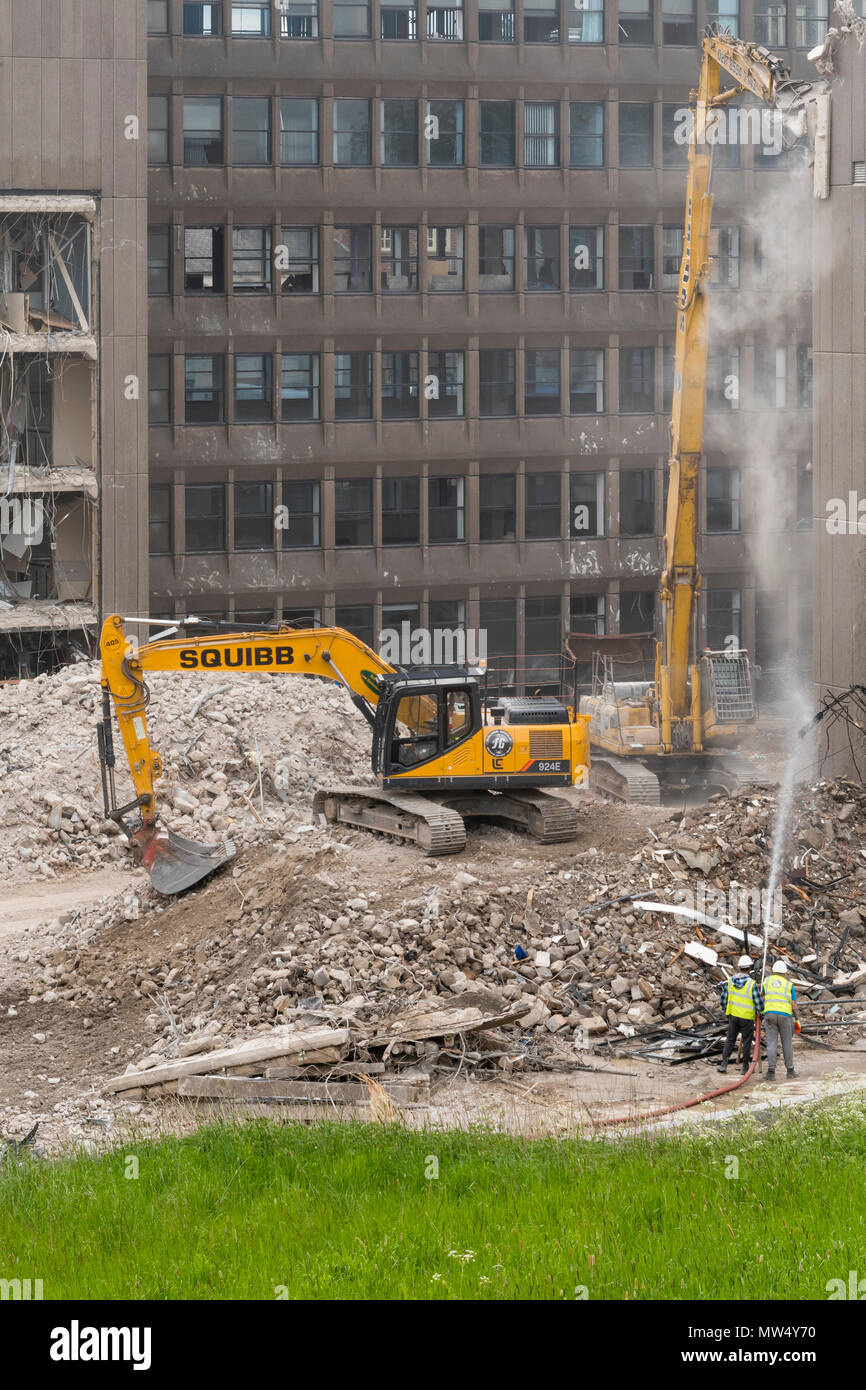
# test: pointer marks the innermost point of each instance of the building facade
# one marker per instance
(73, 324)
(410, 273)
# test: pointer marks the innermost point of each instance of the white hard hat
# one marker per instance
(745, 962)
(780, 968)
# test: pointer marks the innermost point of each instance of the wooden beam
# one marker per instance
(67, 278)
(258, 1050)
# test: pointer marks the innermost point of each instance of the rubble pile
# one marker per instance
(291, 935)
(215, 741)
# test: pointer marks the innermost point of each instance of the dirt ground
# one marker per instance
(54, 1060)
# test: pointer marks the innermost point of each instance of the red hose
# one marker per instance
(698, 1100)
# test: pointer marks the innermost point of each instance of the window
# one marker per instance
(496, 21)
(353, 260)
(726, 14)
(443, 131)
(357, 619)
(541, 388)
(804, 376)
(353, 513)
(495, 258)
(635, 135)
(399, 132)
(635, 258)
(157, 16)
(401, 516)
(636, 21)
(496, 389)
(299, 131)
(399, 385)
(203, 260)
(399, 20)
(254, 396)
(672, 255)
(445, 21)
(302, 501)
(586, 497)
(254, 516)
(636, 381)
(299, 19)
(586, 135)
(202, 21)
(586, 614)
(496, 134)
(446, 510)
(205, 518)
(679, 22)
(723, 619)
(770, 373)
(804, 496)
(543, 638)
(447, 619)
(159, 389)
(675, 127)
(444, 259)
(159, 519)
(667, 380)
(297, 260)
(498, 620)
(723, 378)
(399, 259)
(251, 260)
(771, 23)
(810, 22)
(585, 21)
(541, 271)
(637, 610)
(542, 520)
(251, 127)
(586, 388)
(204, 389)
(353, 385)
(157, 130)
(443, 385)
(540, 21)
(352, 132)
(541, 134)
(299, 388)
(202, 130)
(497, 507)
(723, 499)
(586, 258)
(158, 260)
(351, 20)
(725, 257)
(636, 503)
(252, 20)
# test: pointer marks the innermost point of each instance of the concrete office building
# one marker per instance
(410, 272)
(73, 326)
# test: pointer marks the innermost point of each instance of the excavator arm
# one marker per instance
(760, 73)
(332, 653)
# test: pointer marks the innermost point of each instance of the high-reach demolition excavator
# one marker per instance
(678, 729)
(441, 752)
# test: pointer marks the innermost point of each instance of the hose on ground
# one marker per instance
(697, 1100)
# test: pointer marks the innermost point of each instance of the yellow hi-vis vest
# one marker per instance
(740, 1001)
(777, 995)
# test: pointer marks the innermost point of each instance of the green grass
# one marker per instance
(348, 1211)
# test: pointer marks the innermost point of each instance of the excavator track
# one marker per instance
(548, 819)
(624, 781)
(434, 828)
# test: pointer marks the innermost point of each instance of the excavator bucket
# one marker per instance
(176, 863)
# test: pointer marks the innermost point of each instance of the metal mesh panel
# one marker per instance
(727, 687)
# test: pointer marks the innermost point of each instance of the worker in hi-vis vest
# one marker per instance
(741, 1001)
(780, 1010)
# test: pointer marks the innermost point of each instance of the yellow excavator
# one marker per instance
(678, 728)
(441, 752)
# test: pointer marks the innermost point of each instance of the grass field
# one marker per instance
(261, 1210)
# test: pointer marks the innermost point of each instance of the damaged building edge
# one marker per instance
(49, 430)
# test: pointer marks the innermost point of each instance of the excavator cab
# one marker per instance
(420, 716)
